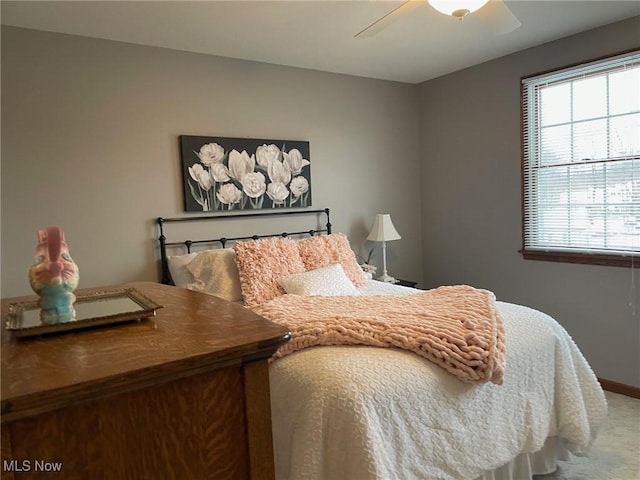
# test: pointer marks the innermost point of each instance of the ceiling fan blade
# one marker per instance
(497, 17)
(389, 18)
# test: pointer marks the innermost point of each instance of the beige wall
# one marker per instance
(90, 142)
(471, 203)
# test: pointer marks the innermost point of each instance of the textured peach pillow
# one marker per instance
(325, 250)
(261, 263)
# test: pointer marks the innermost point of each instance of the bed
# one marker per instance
(366, 391)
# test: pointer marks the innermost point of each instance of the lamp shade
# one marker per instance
(457, 8)
(383, 229)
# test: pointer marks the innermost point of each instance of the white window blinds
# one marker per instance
(581, 158)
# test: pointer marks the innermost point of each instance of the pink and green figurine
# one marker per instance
(54, 276)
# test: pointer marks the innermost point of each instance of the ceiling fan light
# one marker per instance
(457, 8)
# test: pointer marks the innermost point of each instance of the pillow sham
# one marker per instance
(328, 281)
(261, 263)
(325, 250)
(215, 272)
(178, 269)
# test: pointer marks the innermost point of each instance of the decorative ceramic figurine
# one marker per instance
(54, 276)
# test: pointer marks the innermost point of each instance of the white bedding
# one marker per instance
(364, 413)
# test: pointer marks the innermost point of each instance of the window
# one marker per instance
(581, 163)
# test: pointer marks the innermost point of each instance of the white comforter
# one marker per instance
(364, 413)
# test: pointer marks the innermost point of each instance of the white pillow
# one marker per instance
(178, 269)
(210, 271)
(328, 281)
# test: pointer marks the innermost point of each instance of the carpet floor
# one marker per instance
(616, 452)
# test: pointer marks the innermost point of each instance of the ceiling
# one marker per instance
(319, 35)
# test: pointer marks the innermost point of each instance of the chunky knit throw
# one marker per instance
(456, 327)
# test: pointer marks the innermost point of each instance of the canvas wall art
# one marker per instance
(223, 173)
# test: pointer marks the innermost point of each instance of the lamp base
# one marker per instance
(386, 278)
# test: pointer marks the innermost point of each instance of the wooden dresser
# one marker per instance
(182, 395)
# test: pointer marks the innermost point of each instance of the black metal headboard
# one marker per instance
(164, 271)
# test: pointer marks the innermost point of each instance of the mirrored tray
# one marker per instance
(100, 308)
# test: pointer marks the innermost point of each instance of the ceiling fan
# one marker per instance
(493, 13)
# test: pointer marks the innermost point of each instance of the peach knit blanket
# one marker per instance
(456, 327)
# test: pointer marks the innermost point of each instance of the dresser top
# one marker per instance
(191, 333)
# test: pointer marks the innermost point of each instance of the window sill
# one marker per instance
(585, 258)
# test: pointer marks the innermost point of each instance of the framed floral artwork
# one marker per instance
(222, 173)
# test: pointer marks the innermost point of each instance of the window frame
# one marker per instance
(631, 259)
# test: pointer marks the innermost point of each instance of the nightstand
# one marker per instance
(406, 283)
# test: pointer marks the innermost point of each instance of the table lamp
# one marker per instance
(384, 231)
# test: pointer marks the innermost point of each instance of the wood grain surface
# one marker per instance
(182, 395)
(189, 335)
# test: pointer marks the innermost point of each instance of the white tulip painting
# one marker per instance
(222, 173)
